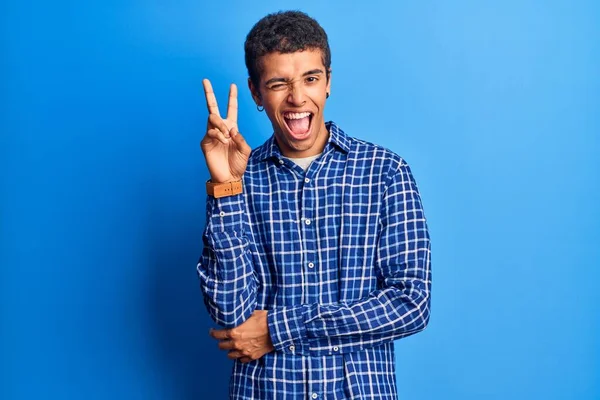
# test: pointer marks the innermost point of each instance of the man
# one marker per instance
(316, 251)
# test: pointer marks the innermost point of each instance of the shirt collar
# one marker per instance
(337, 138)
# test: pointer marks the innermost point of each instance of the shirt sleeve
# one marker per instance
(225, 268)
(399, 308)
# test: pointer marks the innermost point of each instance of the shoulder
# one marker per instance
(359, 149)
(380, 157)
(381, 153)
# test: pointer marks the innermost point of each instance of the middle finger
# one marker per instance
(226, 345)
(232, 105)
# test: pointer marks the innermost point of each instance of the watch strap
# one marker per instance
(218, 190)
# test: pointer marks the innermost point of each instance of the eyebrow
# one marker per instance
(311, 72)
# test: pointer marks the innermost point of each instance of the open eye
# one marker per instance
(312, 79)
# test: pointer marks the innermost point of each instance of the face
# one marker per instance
(293, 88)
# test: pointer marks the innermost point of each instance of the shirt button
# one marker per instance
(281, 162)
(292, 348)
(222, 213)
(314, 395)
(307, 221)
(335, 348)
(311, 265)
(306, 180)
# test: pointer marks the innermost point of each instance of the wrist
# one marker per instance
(224, 189)
(219, 181)
(287, 329)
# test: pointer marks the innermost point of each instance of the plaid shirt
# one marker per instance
(339, 255)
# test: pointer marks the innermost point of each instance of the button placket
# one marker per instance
(316, 377)
(310, 248)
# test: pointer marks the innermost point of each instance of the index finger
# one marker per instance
(219, 334)
(211, 100)
(232, 106)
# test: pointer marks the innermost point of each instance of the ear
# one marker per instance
(254, 92)
(329, 81)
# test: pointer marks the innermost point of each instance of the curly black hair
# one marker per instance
(284, 32)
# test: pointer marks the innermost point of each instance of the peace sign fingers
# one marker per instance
(225, 150)
(211, 100)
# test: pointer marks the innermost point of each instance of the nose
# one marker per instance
(296, 95)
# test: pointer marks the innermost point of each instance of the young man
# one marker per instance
(316, 251)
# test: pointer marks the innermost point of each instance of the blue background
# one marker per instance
(493, 104)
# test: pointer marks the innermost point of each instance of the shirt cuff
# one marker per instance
(225, 214)
(287, 329)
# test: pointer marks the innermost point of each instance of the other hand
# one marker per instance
(247, 342)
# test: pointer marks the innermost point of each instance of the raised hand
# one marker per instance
(225, 150)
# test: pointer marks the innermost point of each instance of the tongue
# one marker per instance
(299, 126)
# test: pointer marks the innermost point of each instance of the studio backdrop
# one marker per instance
(493, 104)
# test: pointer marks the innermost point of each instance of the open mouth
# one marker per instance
(298, 123)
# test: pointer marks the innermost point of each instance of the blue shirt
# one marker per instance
(339, 255)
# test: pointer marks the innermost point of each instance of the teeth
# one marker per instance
(291, 115)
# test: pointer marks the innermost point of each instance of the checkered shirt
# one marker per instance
(339, 255)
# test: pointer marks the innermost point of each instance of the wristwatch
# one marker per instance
(225, 189)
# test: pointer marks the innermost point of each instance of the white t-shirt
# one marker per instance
(304, 162)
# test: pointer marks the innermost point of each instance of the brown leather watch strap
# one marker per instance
(218, 190)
